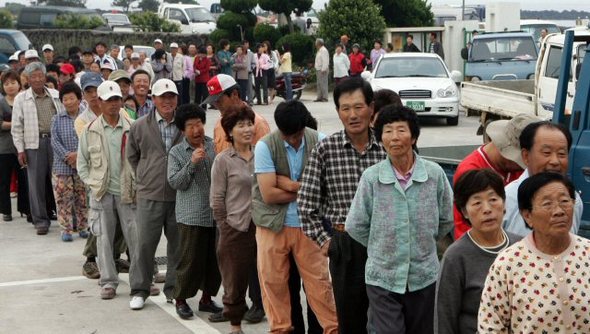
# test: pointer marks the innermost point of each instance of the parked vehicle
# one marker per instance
(118, 22)
(149, 50)
(298, 83)
(12, 41)
(423, 82)
(44, 17)
(534, 28)
(503, 99)
(501, 56)
(193, 19)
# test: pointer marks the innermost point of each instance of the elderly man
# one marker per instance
(115, 50)
(111, 183)
(501, 154)
(322, 65)
(150, 140)
(545, 148)
(32, 113)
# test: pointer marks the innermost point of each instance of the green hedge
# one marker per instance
(302, 48)
(266, 32)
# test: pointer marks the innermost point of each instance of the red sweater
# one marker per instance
(356, 63)
(202, 65)
(477, 159)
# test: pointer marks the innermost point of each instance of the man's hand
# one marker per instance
(285, 183)
(163, 60)
(198, 155)
(326, 247)
(22, 159)
(71, 159)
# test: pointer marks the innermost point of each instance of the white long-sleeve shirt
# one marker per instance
(341, 65)
(322, 59)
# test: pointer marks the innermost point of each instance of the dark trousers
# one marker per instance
(313, 326)
(411, 312)
(347, 268)
(201, 94)
(261, 82)
(39, 164)
(197, 268)
(236, 252)
(186, 91)
(8, 163)
(180, 92)
(243, 89)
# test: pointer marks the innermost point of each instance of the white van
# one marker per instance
(193, 19)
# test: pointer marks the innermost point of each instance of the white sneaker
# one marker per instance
(136, 303)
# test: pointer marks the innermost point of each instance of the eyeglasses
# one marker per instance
(565, 203)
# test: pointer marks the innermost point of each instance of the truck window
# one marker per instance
(515, 48)
(47, 20)
(6, 46)
(553, 62)
(176, 14)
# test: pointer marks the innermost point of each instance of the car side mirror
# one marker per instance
(366, 75)
(456, 76)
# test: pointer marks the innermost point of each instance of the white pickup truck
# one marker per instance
(503, 99)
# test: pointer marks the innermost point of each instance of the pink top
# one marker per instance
(262, 63)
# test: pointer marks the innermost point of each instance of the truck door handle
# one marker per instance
(586, 171)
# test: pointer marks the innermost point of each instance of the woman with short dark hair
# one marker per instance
(224, 57)
(540, 284)
(479, 196)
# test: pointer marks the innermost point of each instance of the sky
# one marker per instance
(318, 4)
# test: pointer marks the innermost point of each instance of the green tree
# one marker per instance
(149, 21)
(359, 19)
(238, 6)
(266, 32)
(286, 7)
(236, 22)
(5, 19)
(125, 4)
(67, 3)
(149, 5)
(71, 21)
(406, 13)
(302, 49)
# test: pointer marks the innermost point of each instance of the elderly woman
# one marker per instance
(540, 284)
(402, 206)
(231, 197)
(479, 195)
(69, 190)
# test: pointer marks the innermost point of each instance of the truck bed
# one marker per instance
(504, 98)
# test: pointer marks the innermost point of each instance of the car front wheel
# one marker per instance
(453, 120)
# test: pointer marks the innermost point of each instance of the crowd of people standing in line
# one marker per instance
(354, 215)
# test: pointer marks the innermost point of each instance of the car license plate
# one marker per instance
(416, 105)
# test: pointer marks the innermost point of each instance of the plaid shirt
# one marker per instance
(329, 182)
(192, 183)
(146, 108)
(168, 131)
(63, 140)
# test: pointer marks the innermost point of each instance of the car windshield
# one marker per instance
(425, 67)
(503, 48)
(535, 29)
(199, 15)
(117, 18)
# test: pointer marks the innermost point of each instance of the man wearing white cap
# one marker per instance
(13, 61)
(31, 56)
(111, 183)
(177, 68)
(48, 53)
(150, 140)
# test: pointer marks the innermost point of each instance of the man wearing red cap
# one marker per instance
(67, 73)
(223, 93)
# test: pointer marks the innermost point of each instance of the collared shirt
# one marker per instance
(405, 179)
(341, 65)
(400, 227)
(146, 108)
(113, 137)
(513, 221)
(177, 67)
(45, 111)
(168, 131)
(322, 59)
(231, 189)
(192, 183)
(64, 140)
(330, 180)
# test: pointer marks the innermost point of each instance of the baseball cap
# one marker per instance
(47, 47)
(14, 57)
(174, 45)
(119, 75)
(67, 69)
(90, 79)
(30, 54)
(107, 66)
(163, 86)
(135, 55)
(505, 135)
(217, 86)
(108, 89)
(157, 40)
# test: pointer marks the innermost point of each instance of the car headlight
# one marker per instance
(447, 92)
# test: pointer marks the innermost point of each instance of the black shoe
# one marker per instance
(254, 315)
(42, 230)
(210, 307)
(122, 266)
(183, 310)
(52, 216)
(217, 317)
(30, 219)
(7, 218)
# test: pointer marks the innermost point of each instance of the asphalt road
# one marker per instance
(42, 289)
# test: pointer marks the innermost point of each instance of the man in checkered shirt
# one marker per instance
(328, 186)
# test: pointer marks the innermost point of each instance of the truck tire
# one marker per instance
(453, 120)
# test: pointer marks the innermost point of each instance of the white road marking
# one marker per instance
(43, 281)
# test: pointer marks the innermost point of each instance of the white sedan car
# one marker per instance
(423, 82)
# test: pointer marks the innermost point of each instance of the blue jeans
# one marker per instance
(288, 86)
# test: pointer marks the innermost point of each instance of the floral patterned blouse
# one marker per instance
(527, 291)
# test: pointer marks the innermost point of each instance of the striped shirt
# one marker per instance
(168, 131)
(192, 183)
(330, 180)
(64, 140)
